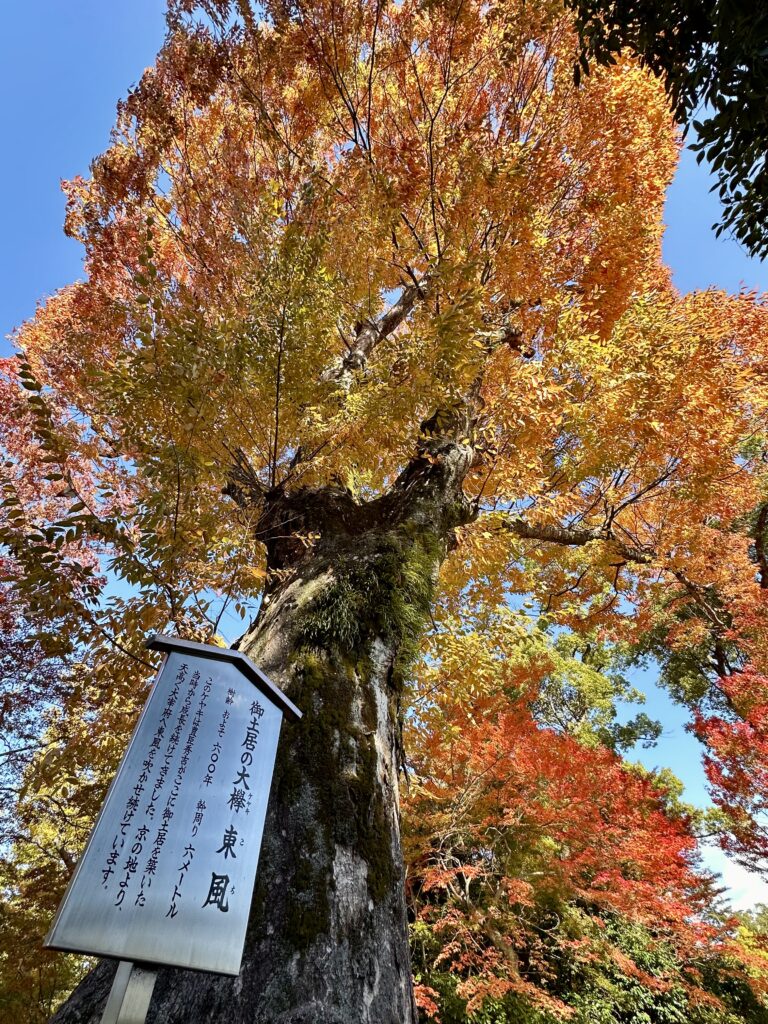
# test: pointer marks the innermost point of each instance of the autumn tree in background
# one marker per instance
(375, 328)
(712, 57)
(548, 879)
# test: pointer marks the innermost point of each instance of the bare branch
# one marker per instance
(575, 537)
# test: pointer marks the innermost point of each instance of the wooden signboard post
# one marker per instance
(168, 873)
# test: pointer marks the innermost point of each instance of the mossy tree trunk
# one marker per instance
(328, 941)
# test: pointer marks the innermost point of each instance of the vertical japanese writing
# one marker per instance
(189, 853)
(169, 869)
(198, 818)
(131, 865)
(189, 850)
(217, 892)
(228, 843)
(165, 770)
(215, 754)
(239, 799)
(132, 805)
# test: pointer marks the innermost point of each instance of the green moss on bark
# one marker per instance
(382, 593)
(386, 594)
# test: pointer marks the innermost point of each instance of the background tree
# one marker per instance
(713, 59)
(375, 328)
(37, 858)
(548, 879)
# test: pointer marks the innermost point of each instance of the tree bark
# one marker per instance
(351, 585)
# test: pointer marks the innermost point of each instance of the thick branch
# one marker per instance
(761, 529)
(706, 606)
(574, 537)
(372, 332)
(570, 536)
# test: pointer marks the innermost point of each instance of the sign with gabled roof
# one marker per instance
(168, 873)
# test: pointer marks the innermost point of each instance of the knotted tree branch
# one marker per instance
(571, 536)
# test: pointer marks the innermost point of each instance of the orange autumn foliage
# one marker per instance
(509, 817)
(323, 236)
(523, 843)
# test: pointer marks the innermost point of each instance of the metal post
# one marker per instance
(130, 995)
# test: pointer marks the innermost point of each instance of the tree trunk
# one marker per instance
(351, 587)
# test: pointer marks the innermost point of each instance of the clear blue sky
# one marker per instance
(59, 83)
(63, 66)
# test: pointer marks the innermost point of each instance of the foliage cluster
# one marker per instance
(713, 56)
(550, 879)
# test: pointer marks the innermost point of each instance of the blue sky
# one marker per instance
(59, 84)
(61, 75)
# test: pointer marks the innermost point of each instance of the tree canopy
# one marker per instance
(333, 251)
(713, 59)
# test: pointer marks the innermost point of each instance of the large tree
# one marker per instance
(375, 324)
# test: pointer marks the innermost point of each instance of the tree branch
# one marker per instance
(569, 536)
(761, 529)
(371, 333)
(574, 537)
(243, 485)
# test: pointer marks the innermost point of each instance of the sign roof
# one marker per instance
(161, 642)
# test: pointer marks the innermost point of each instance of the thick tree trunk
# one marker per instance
(328, 939)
